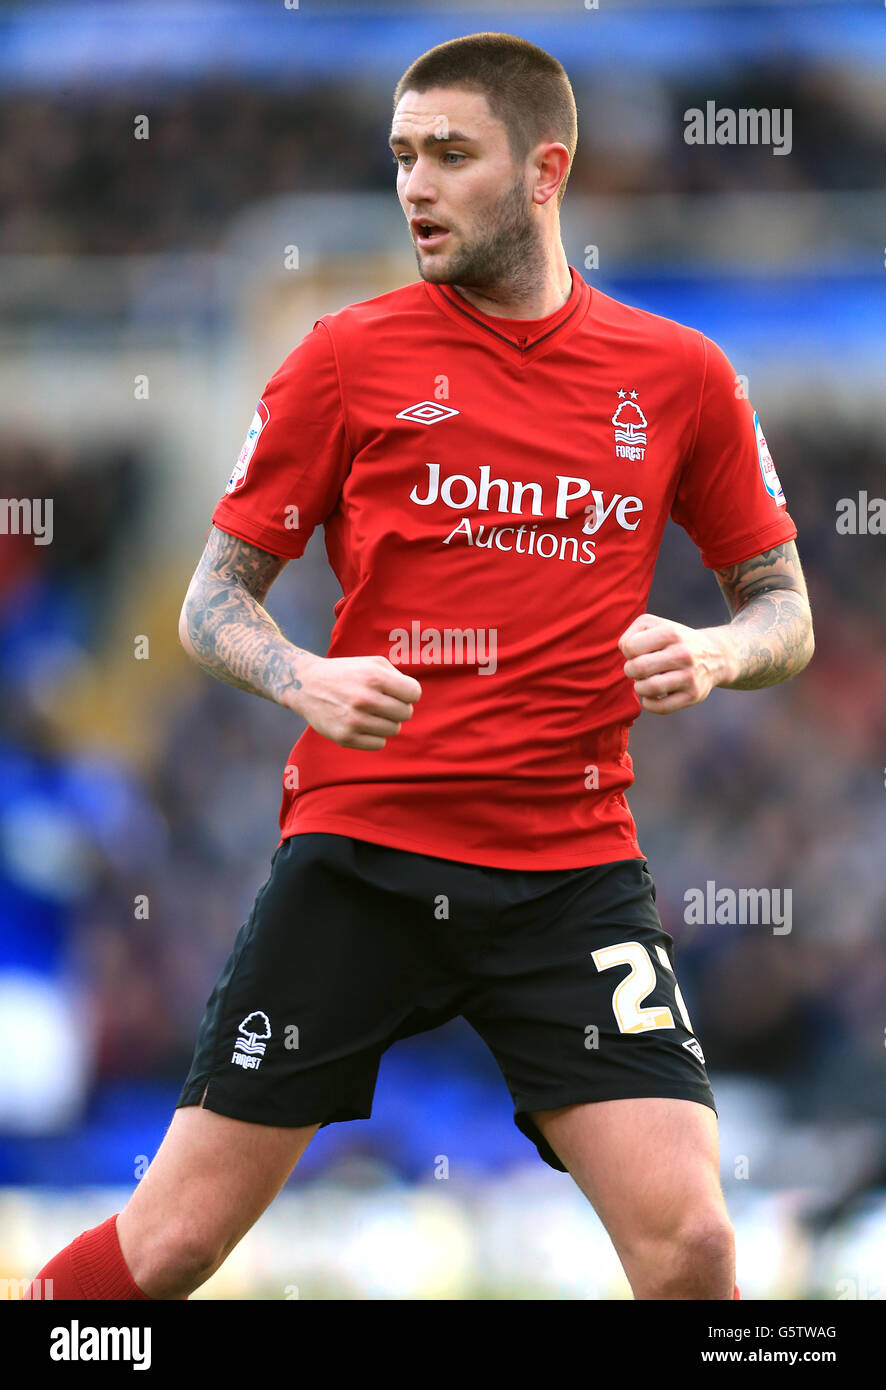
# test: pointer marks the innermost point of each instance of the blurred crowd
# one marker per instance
(84, 172)
(123, 879)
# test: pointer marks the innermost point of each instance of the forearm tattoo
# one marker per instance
(771, 622)
(233, 636)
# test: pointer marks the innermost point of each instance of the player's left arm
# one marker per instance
(768, 640)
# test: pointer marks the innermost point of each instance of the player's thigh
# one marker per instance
(649, 1166)
(211, 1179)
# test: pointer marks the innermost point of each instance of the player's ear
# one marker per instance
(551, 165)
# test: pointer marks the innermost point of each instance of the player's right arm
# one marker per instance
(357, 702)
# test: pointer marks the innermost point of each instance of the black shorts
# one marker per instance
(566, 974)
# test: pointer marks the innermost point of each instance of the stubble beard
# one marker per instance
(506, 257)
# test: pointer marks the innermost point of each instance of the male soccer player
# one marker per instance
(493, 451)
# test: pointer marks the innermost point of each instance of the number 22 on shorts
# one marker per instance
(629, 993)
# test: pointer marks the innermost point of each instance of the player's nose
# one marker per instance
(419, 188)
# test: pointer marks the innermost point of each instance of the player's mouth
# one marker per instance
(428, 234)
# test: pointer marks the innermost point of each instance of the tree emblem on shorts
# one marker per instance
(250, 1047)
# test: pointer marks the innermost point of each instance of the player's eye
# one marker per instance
(451, 156)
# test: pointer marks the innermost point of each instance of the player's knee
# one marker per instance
(691, 1257)
(701, 1259)
(706, 1241)
(177, 1258)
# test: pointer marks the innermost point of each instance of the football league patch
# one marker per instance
(767, 467)
(259, 420)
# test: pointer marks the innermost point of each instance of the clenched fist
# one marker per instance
(356, 701)
(673, 666)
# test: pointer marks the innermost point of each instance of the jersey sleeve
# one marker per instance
(295, 457)
(728, 497)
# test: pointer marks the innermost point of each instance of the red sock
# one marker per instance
(736, 1294)
(92, 1267)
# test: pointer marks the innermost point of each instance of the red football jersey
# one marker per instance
(493, 493)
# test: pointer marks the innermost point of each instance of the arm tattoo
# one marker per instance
(232, 635)
(771, 621)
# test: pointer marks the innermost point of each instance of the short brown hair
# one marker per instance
(526, 88)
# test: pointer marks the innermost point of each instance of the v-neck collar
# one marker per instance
(540, 334)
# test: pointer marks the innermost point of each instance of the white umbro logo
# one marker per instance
(426, 412)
